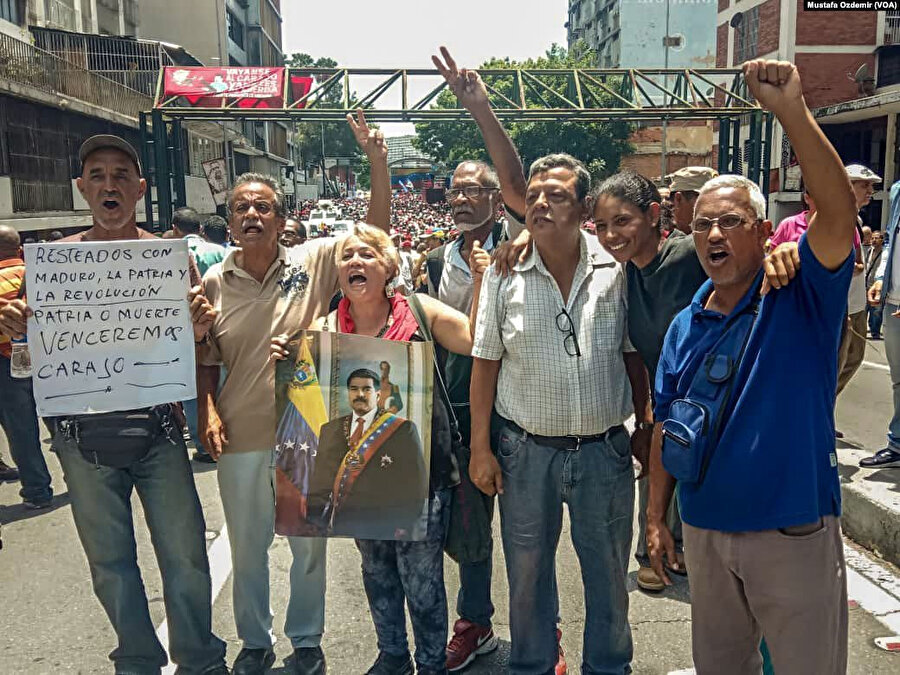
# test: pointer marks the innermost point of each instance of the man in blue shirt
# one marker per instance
(884, 294)
(761, 526)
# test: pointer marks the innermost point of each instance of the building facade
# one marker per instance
(49, 105)
(652, 34)
(630, 33)
(230, 33)
(100, 17)
(849, 63)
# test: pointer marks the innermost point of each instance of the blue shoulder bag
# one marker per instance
(691, 432)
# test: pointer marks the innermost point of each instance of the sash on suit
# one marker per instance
(357, 458)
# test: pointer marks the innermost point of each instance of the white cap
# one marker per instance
(860, 172)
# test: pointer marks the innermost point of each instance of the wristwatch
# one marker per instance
(643, 426)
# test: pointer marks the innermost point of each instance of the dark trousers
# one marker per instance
(876, 314)
(412, 573)
(473, 601)
(20, 424)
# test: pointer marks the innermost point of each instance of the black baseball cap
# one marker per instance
(108, 141)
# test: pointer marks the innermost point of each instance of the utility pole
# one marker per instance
(663, 162)
(324, 170)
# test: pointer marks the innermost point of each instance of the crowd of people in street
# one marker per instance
(560, 309)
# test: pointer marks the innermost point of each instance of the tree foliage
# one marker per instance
(339, 141)
(600, 145)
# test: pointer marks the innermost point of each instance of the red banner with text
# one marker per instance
(207, 87)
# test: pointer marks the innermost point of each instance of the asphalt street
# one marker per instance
(50, 621)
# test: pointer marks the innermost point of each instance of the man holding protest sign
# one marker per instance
(261, 290)
(100, 487)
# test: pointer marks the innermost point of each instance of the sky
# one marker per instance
(397, 34)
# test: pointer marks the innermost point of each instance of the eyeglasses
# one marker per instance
(729, 221)
(470, 192)
(564, 324)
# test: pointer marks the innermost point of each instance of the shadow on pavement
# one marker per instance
(18, 512)
(202, 467)
(680, 589)
(889, 475)
(847, 472)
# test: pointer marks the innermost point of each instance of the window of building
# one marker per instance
(888, 66)
(9, 10)
(202, 150)
(747, 36)
(235, 28)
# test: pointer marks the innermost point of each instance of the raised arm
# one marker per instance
(472, 94)
(776, 85)
(372, 143)
(452, 329)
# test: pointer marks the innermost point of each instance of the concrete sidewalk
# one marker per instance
(871, 501)
(871, 498)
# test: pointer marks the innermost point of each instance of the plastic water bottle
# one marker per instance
(20, 359)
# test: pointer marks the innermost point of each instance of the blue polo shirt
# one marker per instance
(775, 463)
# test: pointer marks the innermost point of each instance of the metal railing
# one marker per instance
(892, 28)
(24, 64)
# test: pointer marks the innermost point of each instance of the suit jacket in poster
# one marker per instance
(387, 499)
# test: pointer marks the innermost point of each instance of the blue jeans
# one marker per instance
(892, 351)
(875, 320)
(101, 506)
(597, 483)
(247, 489)
(190, 416)
(18, 418)
(410, 571)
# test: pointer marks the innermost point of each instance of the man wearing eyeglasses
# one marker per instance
(550, 356)
(475, 198)
(761, 516)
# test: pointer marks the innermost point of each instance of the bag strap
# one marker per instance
(418, 311)
(743, 323)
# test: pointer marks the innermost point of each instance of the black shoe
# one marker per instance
(392, 665)
(8, 473)
(36, 505)
(309, 661)
(838, 434)
(203, 457)
(218, 670)
(253, 661)
(881, 459)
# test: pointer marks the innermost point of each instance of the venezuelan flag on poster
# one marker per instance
(297, 437)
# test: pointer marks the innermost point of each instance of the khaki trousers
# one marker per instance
(792, 588)
(852, 349)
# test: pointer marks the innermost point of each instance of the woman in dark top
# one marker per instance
(663, 275)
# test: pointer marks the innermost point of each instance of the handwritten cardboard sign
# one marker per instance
(111, 328)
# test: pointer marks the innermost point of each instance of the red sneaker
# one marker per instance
(561, 667)
(469, 640)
